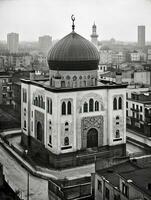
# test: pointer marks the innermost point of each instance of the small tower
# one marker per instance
(94, 36)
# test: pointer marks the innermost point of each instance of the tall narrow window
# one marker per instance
(25, 124)
(115, 104)
(66, 141)
(85, 107)
(50, 106)
(69, 108)
(38, 100)
(63, 108)
(50, 139)
(120, 103)
(91, 105)
(24, 95)
(96, 106)
(117, 134)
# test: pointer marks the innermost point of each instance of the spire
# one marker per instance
(94, 25)
(73, 19)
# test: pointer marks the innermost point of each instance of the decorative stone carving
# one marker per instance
(87, 123)
(39, 117)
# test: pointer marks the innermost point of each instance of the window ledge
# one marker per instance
(50, 145)
(117, 139)
(66, 147)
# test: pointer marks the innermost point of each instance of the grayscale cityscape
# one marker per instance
(75, 99)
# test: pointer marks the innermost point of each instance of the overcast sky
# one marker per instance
(114, 18)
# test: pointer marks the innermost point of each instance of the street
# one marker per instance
(17, 179)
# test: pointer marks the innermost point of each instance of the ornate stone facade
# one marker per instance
(96, 122)
(39, 118)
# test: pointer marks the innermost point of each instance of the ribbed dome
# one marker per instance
(73, 52)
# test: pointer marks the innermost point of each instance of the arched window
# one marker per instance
(50, 124)
(68, 77)
(96, 106)
(85, 107)
(50, 139)
(120, 103)
(63, 108)
(50, 106)
(66, 141)
(117, 118)
(38, 100)
(63, 84)
(91, 105)
(115, 104)
(25, 124)
(117, 134)
(66, 124)
(41, 102)
(69, 108)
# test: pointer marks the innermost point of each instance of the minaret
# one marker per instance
(94, 36)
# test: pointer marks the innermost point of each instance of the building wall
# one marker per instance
(142, 77)
(5, 90)
(104, 120)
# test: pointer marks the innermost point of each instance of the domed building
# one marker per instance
(74, 60)
(72, 119)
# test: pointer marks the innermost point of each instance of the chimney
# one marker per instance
(32, 75)
(118, 77)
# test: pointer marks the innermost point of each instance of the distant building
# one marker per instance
(138, 112)
(12, 61)
(118, 57)
(1, 63)
(13, 42)
(135, 56)
(94, 36)
(105, 55)
(141, 36)
(5, 88)
(142, 77)
(123, 182)
(128, 76)
(149, 54)
(45, 43)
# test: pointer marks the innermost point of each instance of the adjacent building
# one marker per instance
(123, 182)
(5, 88)
(13, 42)
(135, 56)
(141, 36)
(142, 77)
(138, 112)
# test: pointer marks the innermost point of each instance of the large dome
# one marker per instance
(73, 52)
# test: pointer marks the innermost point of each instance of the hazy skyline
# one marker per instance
(114, 18)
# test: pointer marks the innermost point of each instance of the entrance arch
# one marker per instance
(92, 138)
(39, 132)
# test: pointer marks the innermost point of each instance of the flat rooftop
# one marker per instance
(141, 178)
(112, 174)
(44, 83)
